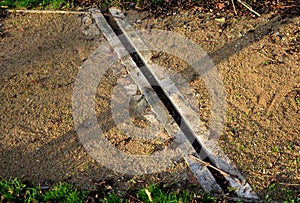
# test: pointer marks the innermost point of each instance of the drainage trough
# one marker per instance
(210, 165)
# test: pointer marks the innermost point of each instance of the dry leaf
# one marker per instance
(149, 195)
(221, 6)
(220, 20)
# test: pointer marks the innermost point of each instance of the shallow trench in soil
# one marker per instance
(257, 59)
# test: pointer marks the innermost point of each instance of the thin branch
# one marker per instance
(289, 184)
(248, 7)
(46, 11)
(234, 9)
(259, 174)
(208, 165)
(135, 198)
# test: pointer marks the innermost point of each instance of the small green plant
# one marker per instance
(290, 196)
(271, 190)
(68, 117)
(266, 63)
(208, 198)
(290, 146)
(242, 147)
(298, 101)
(33, 195)
(234, 130)
(275, 149)
(112, 198)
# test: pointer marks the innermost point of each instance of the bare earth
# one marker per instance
(40, 56)
(258, 60)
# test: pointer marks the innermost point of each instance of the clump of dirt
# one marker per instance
(258, 60)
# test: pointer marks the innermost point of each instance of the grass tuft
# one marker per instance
(154, 194)
(28, 4)
(13, 190)
(64, 193)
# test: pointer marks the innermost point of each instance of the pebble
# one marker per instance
(79, 8)
(87, 20)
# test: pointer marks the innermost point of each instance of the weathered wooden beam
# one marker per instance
(206, 179)
(209, 146)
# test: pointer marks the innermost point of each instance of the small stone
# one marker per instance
(87, 21)
(79, 8)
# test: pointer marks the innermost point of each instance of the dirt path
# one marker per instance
(258, 59)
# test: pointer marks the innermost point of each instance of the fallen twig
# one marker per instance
(259, 174)
(208, 165)
(289, 184)
(136, 199)
(248, 7)
(234, 9)
(46, 11)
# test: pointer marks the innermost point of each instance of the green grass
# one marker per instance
(62, 4)
(64, 193)
(13, 190)
(298, 101)
(155, 194)
(290, 196)
(46, 4)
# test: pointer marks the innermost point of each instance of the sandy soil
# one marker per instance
(40, 56)
(258, 60)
